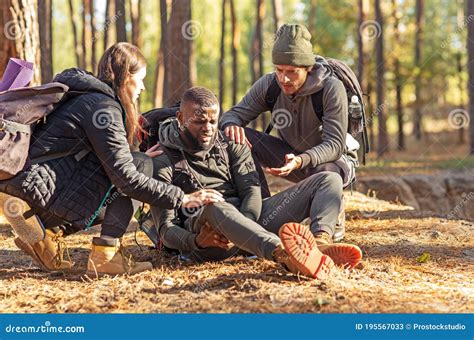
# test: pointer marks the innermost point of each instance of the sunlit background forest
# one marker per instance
(411, 56)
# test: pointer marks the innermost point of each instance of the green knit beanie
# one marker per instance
(293, 46)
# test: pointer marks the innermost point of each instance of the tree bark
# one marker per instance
(313, 7)
(160, 73)
(46, 38)
(85, 32)
(470, 87)
(180, 66)
(120, 21)
(398, 78)
(92, 24)
(382, 146)
(222, 55)
(11, 31)
(277, 14)
(257, 44)
(109, 24)
(417, 123)
(234, 47)
(361, 58)
(77, 46)
(135, 14)
(23, 18)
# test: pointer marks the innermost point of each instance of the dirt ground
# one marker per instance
(392, 280)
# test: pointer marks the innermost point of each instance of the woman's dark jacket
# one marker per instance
(72, 187)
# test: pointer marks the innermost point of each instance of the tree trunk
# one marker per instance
(85, 32)
(46, 38)
(160, 73)
(109, 27)
(277, 14)
(398, 78)
(417, 123)
(92, 24)
(313, 7)
(120, 21)
(135, 14)
(77, 46)
(234, 47)
(222, 56)
(370, 119)
(257, 45)
(361, 59)
(11, 31)
(382, 146)
(470, 50)
(21, 25)
(180, 66)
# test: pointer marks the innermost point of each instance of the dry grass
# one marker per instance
(391, 236)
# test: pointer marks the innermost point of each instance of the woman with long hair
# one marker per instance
(84, 169)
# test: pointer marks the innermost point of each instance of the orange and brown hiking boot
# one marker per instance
(304, 256)
(343, 254)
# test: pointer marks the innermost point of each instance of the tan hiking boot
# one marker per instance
(322, 237)
(300, 246)
(107, 257)
(48, 253)
(343, 254)
(28, 229)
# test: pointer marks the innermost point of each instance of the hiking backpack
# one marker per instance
(20, 110)
(151, 121)
(344, 73)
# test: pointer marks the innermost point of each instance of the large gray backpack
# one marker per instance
(20, 110)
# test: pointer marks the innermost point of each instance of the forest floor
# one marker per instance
(394, 279)
(412, 263)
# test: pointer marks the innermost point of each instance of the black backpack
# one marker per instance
(344, 73)
(151, 124)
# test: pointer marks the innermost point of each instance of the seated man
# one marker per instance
(196, 155)
(307, 142)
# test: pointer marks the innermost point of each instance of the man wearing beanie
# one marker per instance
(305, 146)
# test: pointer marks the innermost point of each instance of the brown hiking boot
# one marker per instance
(28, 229)
(48, 253)
(343, 254)
(107, 257)
(302, 250)
(322, 237)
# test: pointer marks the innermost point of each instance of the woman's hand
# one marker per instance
(202, 197)
(153, 151)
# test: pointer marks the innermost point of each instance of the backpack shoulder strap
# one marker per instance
(270, 99)
(183, 176)
(272, 94)
(317, 101)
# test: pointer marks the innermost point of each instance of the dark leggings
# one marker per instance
(270, 151)
(116, 214)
